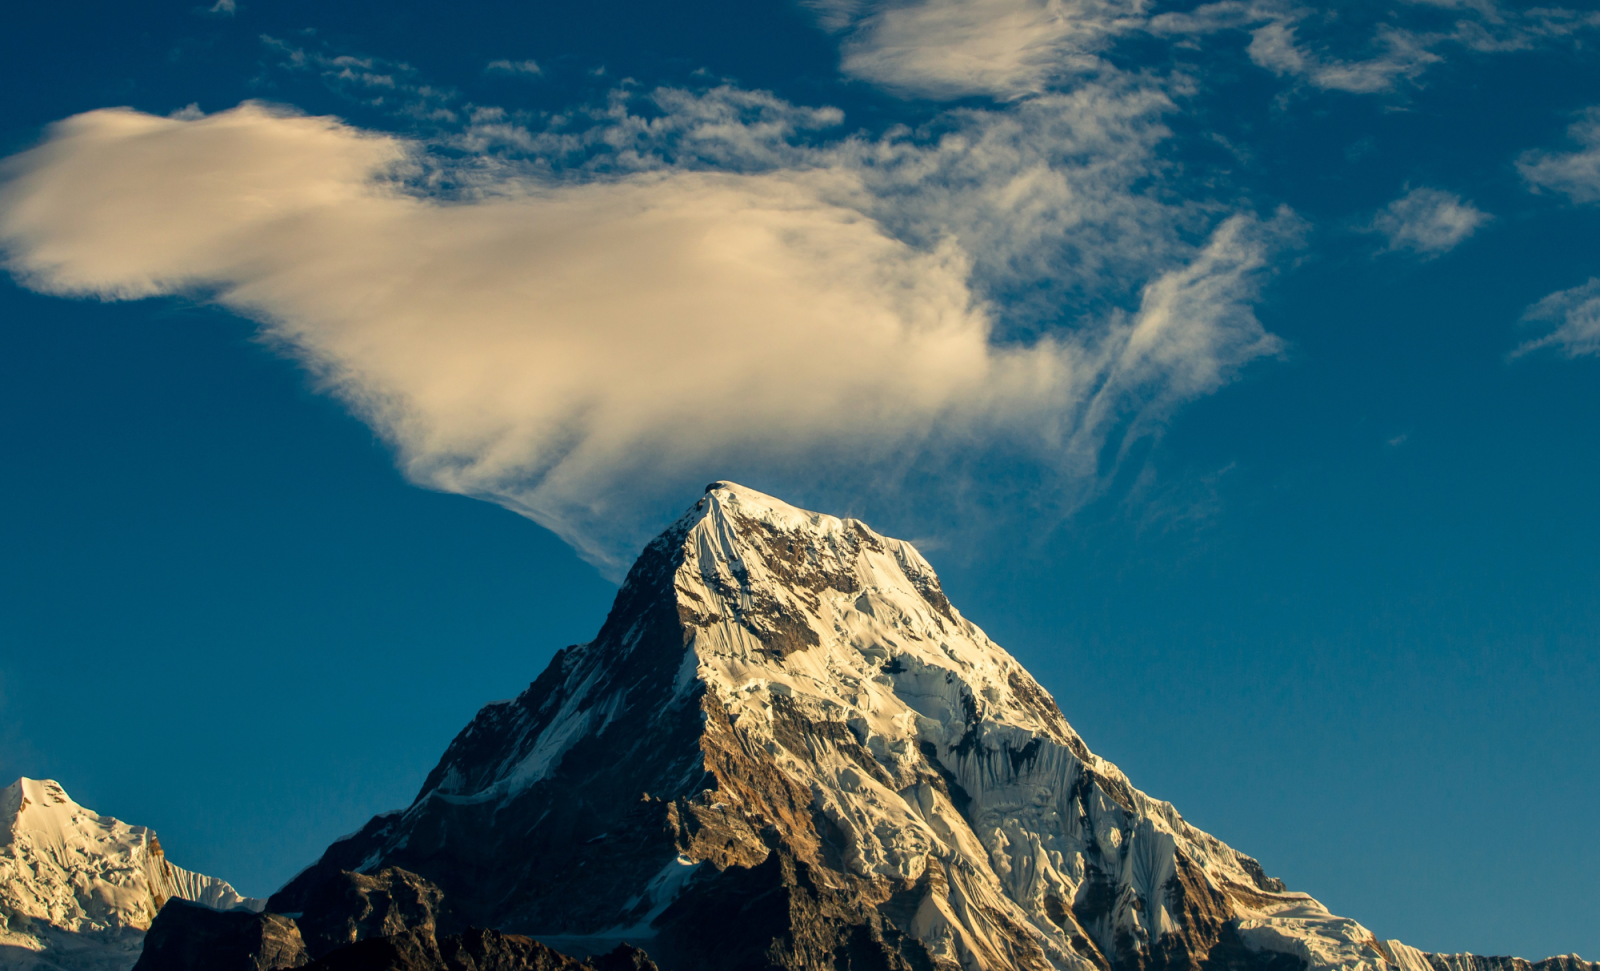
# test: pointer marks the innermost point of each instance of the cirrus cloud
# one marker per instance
(1428, 222)
(1575, 314)
(1576, 173)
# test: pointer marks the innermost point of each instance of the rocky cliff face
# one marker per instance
(78, 890)
(787, 749)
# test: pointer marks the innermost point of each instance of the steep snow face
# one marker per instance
(843, 626)
(77, 889)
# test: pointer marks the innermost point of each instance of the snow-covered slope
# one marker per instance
(786, 748)
(77, 889)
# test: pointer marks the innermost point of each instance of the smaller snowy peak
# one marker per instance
(81, 887)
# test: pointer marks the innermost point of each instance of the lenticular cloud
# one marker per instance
(574, 351)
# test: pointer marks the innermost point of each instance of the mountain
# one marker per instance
(78, 890)
(786, 749)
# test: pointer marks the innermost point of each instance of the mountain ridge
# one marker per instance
(784, 749)
(784, 706)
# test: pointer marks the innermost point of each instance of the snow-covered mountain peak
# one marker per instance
(83, 885)
(822, 606)
(38, 807)
(783, 706)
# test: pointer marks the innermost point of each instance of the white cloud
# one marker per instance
(724, 127)
(1496, 29)
(1044, 195)
(1376, 64)
(1393, 54)
(1575, 313)
(1276, 43)
(391, 86)
(504, 66)
(1575, 174)
(945, 49)
(1053, 197)
(1576, 316)
(579, 350)
(1428, 221)
(1008, 49)
(224, 8)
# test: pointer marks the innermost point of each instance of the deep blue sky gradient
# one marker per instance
(1345, 614)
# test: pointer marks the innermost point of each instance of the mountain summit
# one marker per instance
(78, 890)
(787, 749)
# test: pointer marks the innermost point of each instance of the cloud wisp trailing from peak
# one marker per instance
(580, 351)
(1427, 222)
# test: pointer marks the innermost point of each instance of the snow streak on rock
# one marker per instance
(787, 749)
(78, 890)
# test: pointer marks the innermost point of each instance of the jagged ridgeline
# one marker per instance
(786, 750)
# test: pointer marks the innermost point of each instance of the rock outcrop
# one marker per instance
(391, 920)
(355, 907)
(472, 950)
(189, 937)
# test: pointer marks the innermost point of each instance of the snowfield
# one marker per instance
(78, 889)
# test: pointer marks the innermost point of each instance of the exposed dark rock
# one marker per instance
(776, 915)
(472, 950)
(351, 907)
(188, 937)
(624, 957)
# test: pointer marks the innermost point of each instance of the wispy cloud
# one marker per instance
(581, 349)
(1318, 47)
(1052, 197)
(952, 48)
(1575, 314)
(1575, 174)
(1396, 55)
(527, 67)
(392, 86)
(1427, 221)
(1008, 49)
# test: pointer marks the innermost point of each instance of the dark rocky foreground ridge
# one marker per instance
(388, 921)
(785, 749)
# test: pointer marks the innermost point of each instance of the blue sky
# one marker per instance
(1235, 364)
